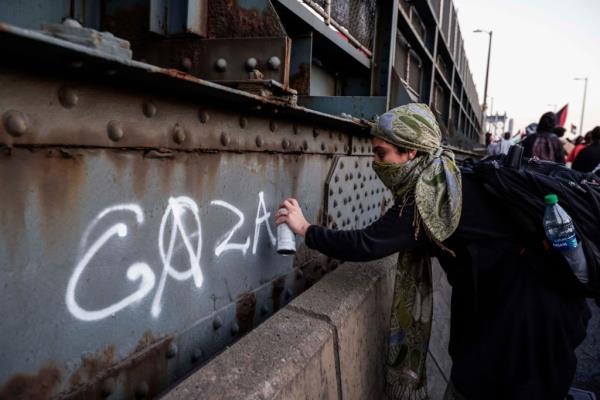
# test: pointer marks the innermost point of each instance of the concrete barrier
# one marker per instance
(326, 344)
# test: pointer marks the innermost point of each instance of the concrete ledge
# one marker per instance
(290, 356)
(326, 344)
(355, 299)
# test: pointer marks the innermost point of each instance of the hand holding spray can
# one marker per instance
(286, 241)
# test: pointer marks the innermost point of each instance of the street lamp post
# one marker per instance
(487, 76)
(583, 105)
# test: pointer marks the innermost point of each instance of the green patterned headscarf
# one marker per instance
(433, 181)
(433, 175)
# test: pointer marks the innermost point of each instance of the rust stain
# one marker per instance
(301, 79)
(39, 386)
(147, 340)
(245, 309)
(276, 288)
(226, 18)
(93, 366)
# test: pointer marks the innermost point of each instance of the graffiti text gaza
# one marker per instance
(173, 236)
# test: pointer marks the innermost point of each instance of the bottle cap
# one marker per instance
(551, 199)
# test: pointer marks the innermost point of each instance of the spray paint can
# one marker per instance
(286, 240)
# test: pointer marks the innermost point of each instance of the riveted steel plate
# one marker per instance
(72, 113)
(361, 145)
(355, 196)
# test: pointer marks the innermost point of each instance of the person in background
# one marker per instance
(579, 145)
(513, 333)
(589, 158)
(544, 144)
(505, 143)
(560, 133)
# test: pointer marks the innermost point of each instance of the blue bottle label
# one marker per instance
(565, 244)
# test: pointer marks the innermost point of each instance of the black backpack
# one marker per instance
(522, 183)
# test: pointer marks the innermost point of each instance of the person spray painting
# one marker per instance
(507, 324)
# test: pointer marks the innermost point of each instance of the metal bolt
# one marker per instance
(235, 329)
(221, 65)
(273, 126)
(285, 144)
(115, 131)
(251, 64)
(196, 355)
(186, 63)
(67, 97)
(141, 391)
(108, 387)
(274, 63)
(15, 123)
(217, 323)
(149, 109)
(178, 134)
(259, 141)
(203, 116)
(243, 122)
(172, 350)
(225, 139)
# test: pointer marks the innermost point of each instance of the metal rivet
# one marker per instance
(221, 65)
(340, 136)
(111, 72)
(15, 123)
(178, 134)
(108, 387)
(341, 165)
(331, 192)
(274, 63)
(264, 310)
(296, 129)
(273, 126)
(336, 179)
(141, 391)
(335, 203)
(259, 141)
(76, 64)
(149, 109)
(285, 143)
(315, 132)
(357, 196)
(243, 122)
(305, 145)
(339, 214)
(356, 164)
(354, 148)
(235, 329)
(340, 190)
(225, 139)
(346, 177)
(217, 323)
(323, 146)
(335, 148)
(186, 63)
(346, 148)
(67, 97)
(196, 355)
(251, 64)
(203, 116)
(362, 148)
(172, 350)
(115, 131)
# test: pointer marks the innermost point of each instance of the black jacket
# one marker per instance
(513, 329)
(588, 158)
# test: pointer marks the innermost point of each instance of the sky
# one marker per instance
(538, 47)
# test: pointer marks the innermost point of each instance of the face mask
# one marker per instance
(399, 178)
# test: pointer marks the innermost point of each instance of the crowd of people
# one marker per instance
(547, 141)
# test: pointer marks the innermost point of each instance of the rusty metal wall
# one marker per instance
(137, 232)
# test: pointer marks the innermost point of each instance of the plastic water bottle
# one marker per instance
(560, 231)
